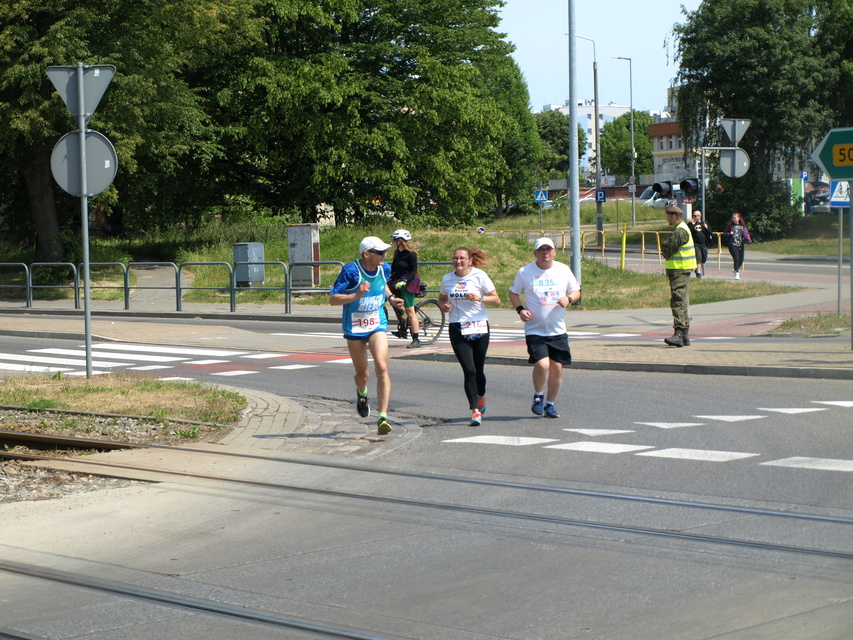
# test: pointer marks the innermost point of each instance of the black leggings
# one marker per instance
(472, 356)
(737, 256)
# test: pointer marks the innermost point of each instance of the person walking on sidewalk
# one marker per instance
(680, 261)
(404, 270)
(702, 237)
(735, 236)
(361, 288)
(548, 288)
(463, 295)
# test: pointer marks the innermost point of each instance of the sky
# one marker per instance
(634, 29)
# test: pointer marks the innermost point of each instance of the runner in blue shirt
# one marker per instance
(361, 288)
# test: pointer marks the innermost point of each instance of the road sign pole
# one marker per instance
(84, 215)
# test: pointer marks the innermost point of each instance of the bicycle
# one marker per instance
(431, 318)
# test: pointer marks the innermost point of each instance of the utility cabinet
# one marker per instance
(247, 275)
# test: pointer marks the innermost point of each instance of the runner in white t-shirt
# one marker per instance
(548, 288)
(464, 294)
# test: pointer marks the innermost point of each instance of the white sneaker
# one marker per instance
(737, 275)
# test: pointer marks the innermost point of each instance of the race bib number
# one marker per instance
(365, 321)
(473, 327)
(546, 290)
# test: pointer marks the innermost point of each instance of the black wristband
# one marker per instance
(519, 309)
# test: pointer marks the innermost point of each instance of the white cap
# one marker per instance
(543, 242)
(372, 242)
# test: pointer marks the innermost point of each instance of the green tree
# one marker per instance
(834, 36)
(615, 143)
(553, 127)
(754, 59)
(520, 149)
(153, 117)
(369, 106)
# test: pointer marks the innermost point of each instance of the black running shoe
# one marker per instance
(362, 406)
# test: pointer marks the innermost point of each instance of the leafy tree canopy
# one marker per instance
(616, 145)
(553, 127)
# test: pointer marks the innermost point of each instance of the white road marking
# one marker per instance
(793, 411)
(293, 367)
(83, 373)
(820, 464)
(233, 373)
(108, 356)
(265, 356)
(176, 379)
(74, 363)
(699, 454)
(8, 366)
(836, 403)
(206, 361)
(151, 367)
(511, 441)
(592, 433)
(184, 351)
(598, 447)
(730, 418)
(671, 425)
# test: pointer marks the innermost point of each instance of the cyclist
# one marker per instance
(464, 294)
(361, 289)
(404, 275)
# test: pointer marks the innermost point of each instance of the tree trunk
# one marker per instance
(49, 247)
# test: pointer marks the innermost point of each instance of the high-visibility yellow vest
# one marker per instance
(685, 257)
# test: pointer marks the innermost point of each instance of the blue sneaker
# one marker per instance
(551, 411)
(538, 404)
(481, 406)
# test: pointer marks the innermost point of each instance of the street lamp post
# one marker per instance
(633, 153)
(599, 220)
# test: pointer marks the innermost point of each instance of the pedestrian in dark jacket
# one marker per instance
(736, 237)
(702, 238)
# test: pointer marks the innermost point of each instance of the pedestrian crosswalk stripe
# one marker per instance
(793, 411)
(699, 454)
(233, 373)
(513, 441)
(599, 447)
(8, 366)
(107, 356)
(820, 464)
(671, 425)
(67, 361)
(293, 367)
(264, 356)
(151, 367)
(730, 418)
(184, 351)
(592, 433)
(199, 362)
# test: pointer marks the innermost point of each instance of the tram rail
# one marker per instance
(459, 508)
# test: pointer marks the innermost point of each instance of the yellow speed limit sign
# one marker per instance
(842, 155)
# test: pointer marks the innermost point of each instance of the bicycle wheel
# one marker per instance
(431, 318)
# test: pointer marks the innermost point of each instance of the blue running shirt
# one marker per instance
(366, 315)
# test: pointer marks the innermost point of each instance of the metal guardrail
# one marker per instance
(126, 287)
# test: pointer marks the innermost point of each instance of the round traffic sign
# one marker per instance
(101, 163)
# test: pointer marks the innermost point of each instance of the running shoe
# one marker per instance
(481, 406)
(362, 406)
(538, 404)
(476, 418)
(551, 411)
(382, 426)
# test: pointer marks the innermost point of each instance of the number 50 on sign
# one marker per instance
(842, 155)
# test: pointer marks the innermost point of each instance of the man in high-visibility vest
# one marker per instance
(680, 263)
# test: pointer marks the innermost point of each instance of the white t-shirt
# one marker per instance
(542, 288)
(455, 288)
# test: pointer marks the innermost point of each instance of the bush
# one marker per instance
(764, 203)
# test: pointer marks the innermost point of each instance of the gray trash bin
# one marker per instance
(247, 275)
